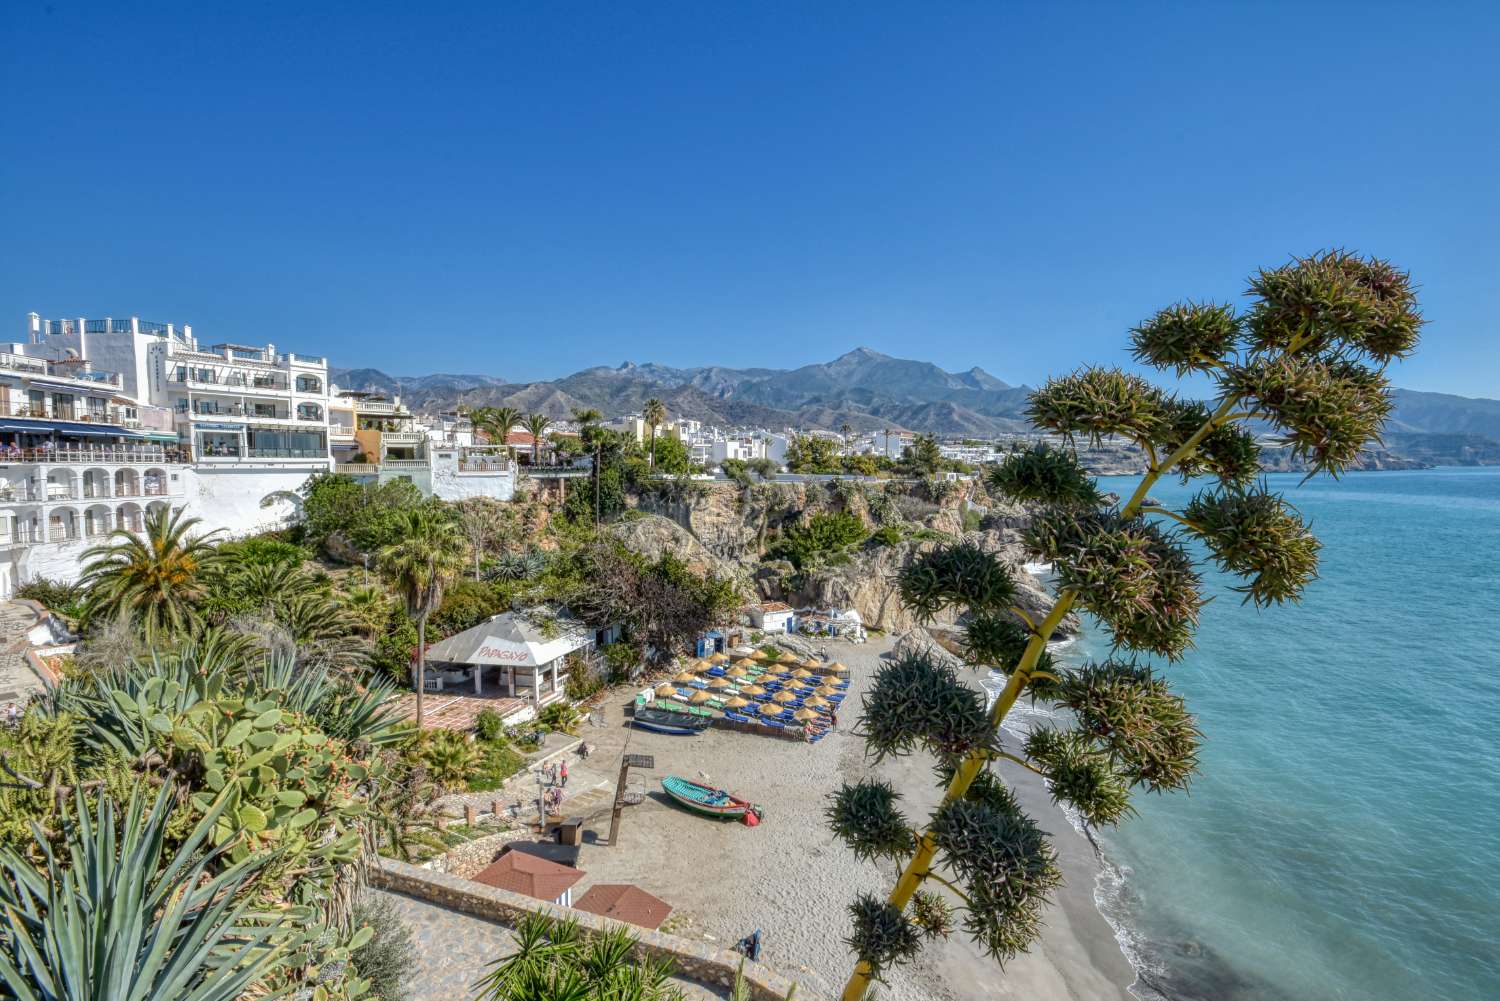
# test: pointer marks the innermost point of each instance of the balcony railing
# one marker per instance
(285, 453)
(481, 465)
(357, 468)
(405, 463)
(307, 359)
(133, 454)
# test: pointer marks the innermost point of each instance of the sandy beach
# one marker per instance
(790, 878)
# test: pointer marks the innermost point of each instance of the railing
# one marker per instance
(405, 463)
(403, 436)
(200, 410)
(307, 359)
(357, 468)
(123, 453)
(21, 363)
(285, 453)
(483, 466)
(227, 383)
(554, 472)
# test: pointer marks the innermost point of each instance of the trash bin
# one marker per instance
(570, 831)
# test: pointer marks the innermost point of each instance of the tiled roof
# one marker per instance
(519, 872)
(624, 902)
(775, 606)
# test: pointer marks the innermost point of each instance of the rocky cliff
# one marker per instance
(726, 528)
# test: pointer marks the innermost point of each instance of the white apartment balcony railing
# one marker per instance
(21, 363)
(199, 410)
(132, 454)
(482, 465)
(229, 386)
(306, 359)
(357, 468)
(47, 412)
(403, 437)
(405, 463)
(366, 407)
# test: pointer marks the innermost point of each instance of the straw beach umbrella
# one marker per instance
(826, 690)
(760, 655)
(736, 672)
(836, 668)
(685, 677)
(718, 658)
(772, 709)
(804, 714)
(752, 690)
(665, 691)
(818, 702)
(736, 703)
(783, 697)
(719, 684)
(802, 672)
(812, 662)
(700, 697)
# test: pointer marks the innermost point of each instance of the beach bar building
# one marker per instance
(523, 655)
(774, 617)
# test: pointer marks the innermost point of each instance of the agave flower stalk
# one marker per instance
(1307, 357)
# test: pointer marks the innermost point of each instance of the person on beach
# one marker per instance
(562, 775)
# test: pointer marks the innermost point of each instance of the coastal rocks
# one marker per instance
(652, 536)
(866, 584)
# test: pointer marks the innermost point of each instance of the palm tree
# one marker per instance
(846, 429)
(536, 425)
(429, 553)
(588, 419)
(887, 443)
(655, 413)
(368, 608)
(497, 422)
(156, 578)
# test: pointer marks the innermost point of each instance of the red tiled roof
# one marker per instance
(519, 438)
(528, 874)
(624, 902)
(775, 606)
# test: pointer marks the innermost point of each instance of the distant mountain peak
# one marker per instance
(861, 354)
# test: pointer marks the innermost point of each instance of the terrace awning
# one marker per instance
(71, 427)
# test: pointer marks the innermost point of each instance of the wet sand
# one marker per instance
(790, 878)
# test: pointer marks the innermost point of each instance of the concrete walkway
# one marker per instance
(18, 682)
(454, 950)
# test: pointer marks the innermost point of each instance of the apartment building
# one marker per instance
(77, 460)
(103, 420)
(390, 443)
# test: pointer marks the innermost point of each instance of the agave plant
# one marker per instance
(121, 917)
(1308, 358)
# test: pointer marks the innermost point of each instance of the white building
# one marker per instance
(76, 462)
(106, 419)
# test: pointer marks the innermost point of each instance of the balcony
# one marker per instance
(127, 454)
(403, 437)
(285, 453)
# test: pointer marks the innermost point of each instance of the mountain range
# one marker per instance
(869, 391)
(863, 388)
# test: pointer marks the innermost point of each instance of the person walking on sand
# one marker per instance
(562, 774)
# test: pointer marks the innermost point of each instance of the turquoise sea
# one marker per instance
(1343, 839)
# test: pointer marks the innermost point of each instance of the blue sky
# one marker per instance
(528, 189)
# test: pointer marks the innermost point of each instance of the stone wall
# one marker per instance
(474, 856)
(708, 966)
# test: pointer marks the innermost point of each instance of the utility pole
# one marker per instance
(639, 761)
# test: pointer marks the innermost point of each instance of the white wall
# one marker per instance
(228, 497)
(450, 485)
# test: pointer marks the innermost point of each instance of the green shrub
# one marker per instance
(890, 535)
(51, 594)
(496, 763)
(389, 957)
(620, 660)
(972, 519)
(822, 535)
(559, 716)
(489, 725)
(450, 758)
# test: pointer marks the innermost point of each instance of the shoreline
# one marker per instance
(791, 878)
